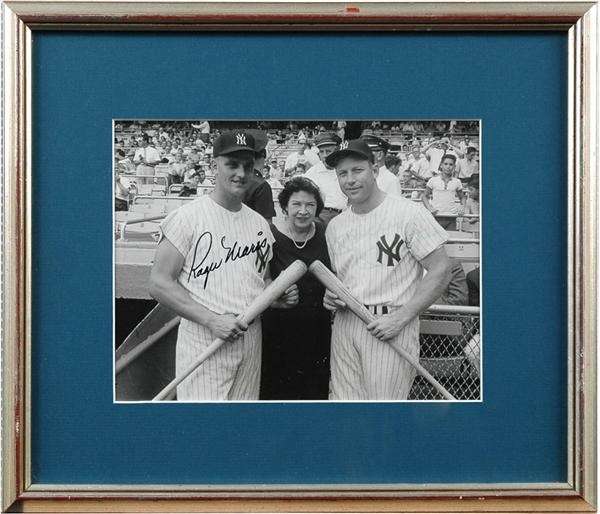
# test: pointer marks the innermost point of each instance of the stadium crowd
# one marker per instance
(436, 162)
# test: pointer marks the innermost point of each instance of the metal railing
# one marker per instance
(122, 225)
(145, 184)
(450, 349)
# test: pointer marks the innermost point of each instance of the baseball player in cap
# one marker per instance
(211, 262)
(379, 248)
(324, 176)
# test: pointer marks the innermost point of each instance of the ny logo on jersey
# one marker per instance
(262, 257)
(344, 145)
(241, 139)
(391, 250)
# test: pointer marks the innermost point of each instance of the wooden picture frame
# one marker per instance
(22, 18)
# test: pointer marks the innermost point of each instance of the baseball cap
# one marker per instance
(233, 141)
(260, 139)
(376, 142)
(327, 138)
(357, 147)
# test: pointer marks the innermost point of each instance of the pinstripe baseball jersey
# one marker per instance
(226, 253)
(376, 255)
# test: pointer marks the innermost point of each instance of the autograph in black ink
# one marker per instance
(234, 252)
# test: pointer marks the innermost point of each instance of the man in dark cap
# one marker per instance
(324, 176)
(379, 248)
(386, 180)
(259, 195)
(211, 262)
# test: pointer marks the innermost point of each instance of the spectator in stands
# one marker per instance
(194, 182)
(435, 150)
(472, 206)
(126, 164)
(440, 126)
(208, 150)
(393, 163)
(193, 156)
(465, 143)
(326, 178)
(419, 166)
(444, 191)
(340, 126)
(163, 169)
(281, 168)
(473, 286)
(259, 195)
(409, 127)
(176, 146)
(273, 182)
(177, 170)
(274, 169)
(409, 185)
(146, 157)
(163, 134)
(123, 188)
(204, 128)
(189, 171)
(200, 174)
(468, 166)
(408, 159)
(188, 189)
(164, 149)
(299, 170)
(119, 161)
(280, 137)
(301, 156)
(457, 292)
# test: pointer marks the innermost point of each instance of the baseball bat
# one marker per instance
(274, 290)
(335, 285)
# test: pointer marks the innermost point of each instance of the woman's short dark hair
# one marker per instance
(296, 184)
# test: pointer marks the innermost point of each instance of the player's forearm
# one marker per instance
(170, 294)
(430, 289)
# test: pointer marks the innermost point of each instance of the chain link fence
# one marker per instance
(451, 352)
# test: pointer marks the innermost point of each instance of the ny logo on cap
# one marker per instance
(241, 139)
(344, 145)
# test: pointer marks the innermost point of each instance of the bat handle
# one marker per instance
(365, 315)
(422, 371)
(172, 386)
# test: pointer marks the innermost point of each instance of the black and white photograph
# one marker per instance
(297, 260)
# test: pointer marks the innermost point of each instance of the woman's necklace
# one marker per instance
(303, 244)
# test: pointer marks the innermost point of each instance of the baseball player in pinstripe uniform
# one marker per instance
(379, 248)
(211, 262)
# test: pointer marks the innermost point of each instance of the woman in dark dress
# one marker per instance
(296, 341)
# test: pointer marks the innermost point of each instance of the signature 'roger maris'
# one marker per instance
(234, 252)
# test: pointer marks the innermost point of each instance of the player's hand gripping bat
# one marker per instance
(274, 290)
(335, 285)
